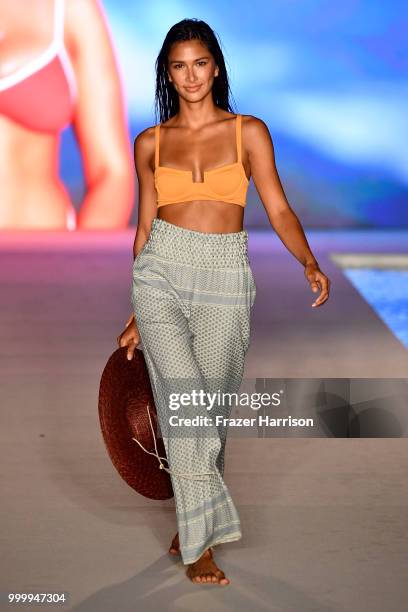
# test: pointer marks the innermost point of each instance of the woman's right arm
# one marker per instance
(144, 164)
(100, 119)
(147, 210)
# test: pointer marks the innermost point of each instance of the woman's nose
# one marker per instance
(191, 75)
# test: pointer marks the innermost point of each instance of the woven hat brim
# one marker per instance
(125, 388)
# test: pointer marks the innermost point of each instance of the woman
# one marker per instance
(193, 288)
(58, 68)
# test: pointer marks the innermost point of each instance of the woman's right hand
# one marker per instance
(129, 337)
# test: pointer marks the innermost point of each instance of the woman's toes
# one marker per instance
(221, 578)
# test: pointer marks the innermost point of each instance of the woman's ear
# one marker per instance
(217, 71)
(169, 77)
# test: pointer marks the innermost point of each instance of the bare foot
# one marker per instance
(175, 546)
(205, 570)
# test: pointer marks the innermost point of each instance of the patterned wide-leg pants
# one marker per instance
(192, 295)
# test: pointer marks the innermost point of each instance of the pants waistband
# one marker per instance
(206, 250)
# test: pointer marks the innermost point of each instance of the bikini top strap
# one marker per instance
(156, 145)
(59, 21)
(239, 137)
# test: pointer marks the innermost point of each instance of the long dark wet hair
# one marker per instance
(166, 97)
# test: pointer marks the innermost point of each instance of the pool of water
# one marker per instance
(387, 292)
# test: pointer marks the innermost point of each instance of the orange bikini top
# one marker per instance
(227, 183)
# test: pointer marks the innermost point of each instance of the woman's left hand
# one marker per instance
(318, 281)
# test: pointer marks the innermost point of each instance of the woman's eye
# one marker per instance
(202, 63)
(178, 66)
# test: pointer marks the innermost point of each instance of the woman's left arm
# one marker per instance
(261, 156)
(100, 121)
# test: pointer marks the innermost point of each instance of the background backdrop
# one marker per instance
(329, 79)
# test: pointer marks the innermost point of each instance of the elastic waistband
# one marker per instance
(206, 250)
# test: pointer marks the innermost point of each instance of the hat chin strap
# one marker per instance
(189, 475)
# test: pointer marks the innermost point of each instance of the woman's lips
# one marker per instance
(196, 88)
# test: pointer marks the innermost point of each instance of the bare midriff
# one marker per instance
(204, 216)
(33, 196)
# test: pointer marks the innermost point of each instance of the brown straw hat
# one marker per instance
(127, 413)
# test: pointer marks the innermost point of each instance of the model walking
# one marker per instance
(193, 288)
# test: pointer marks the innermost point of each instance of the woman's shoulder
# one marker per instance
(144, 141)
(147, 136)
(253, 123)
(254, 129)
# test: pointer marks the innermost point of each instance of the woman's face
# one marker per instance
(191, 69)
